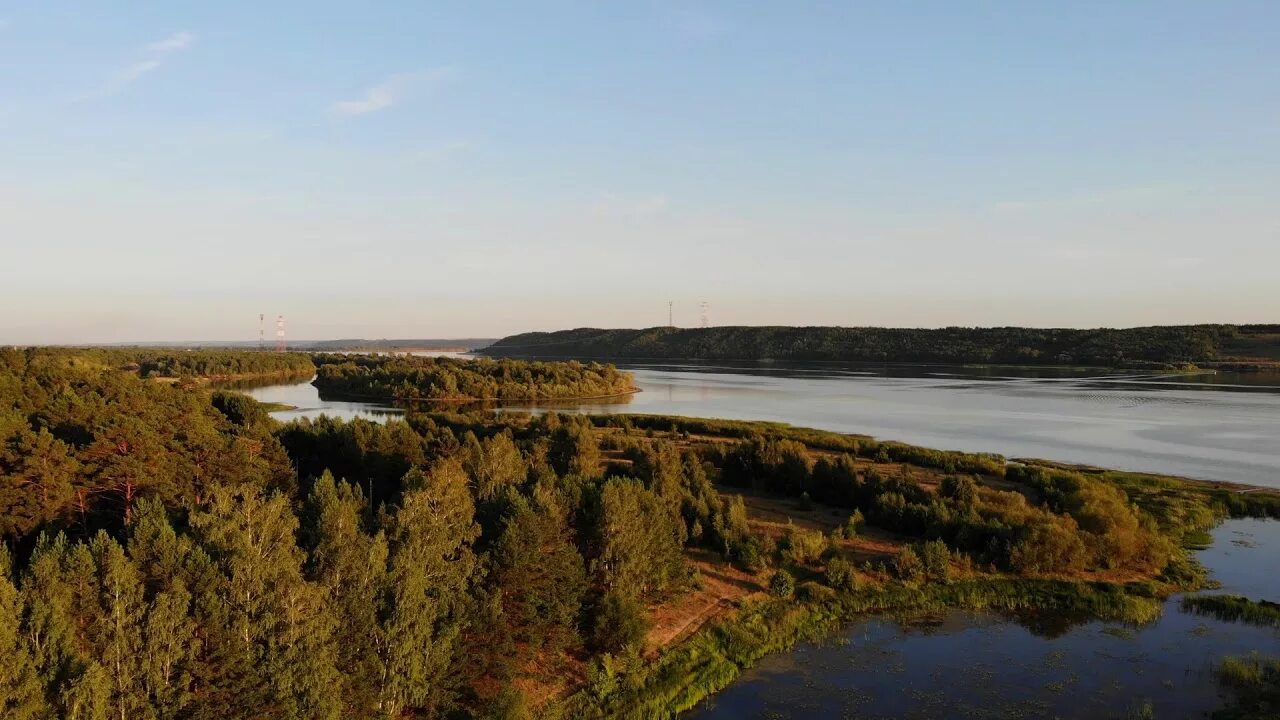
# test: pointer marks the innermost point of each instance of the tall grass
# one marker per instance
(1254, 681)
(1234, 608)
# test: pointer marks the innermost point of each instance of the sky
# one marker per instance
(170, 170)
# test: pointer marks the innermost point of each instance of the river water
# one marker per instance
(979, 665)
(1213, 427)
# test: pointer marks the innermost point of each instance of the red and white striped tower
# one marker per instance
(280, 346)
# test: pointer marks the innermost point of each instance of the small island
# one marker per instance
(412, 378)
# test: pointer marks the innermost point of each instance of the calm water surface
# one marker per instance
(1215, 427)
(978, 665)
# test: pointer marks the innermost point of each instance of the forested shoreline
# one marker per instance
(1245, 347)
(408, 378)
(170, 552)
(174, 363)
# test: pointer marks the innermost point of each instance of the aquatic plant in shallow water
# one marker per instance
(1254, 681)
(1234, 608)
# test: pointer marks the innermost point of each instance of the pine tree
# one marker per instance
(21, 696)
(48, 624)
(88, 695)
(281, 626)
(115, 628)
(431, 570)
(169, 634)
(540, 575)
(155, 547)
(351, 565)
(637, 539)
(575, 449)
(494, 465)
(37, 473)
(169, 644)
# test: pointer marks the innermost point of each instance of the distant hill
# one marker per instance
(1243, 347)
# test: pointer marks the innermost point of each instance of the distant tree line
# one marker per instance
(1164, 346)
(80, 444)
(181, 363)
(409, 377)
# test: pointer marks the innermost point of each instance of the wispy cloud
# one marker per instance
(177, 41)
(152, 57)
(379, 97)
(391, 91)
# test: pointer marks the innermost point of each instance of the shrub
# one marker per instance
(750, 555)
(1051, 545)
(782, 584)
(803, 547)
(961, 489)
(936, 559)
(603, 676)
(510, 704)
(841, 575)
(812, 591)
(853, 524)
(806, 502)
(620, 623)
(907, 566)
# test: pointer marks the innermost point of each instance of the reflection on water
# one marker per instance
(1212, 427)
(308, 401)
(976, 665)
(1217, 427)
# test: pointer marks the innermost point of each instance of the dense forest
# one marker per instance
(414, 377)
(1163, 346)
(170, 552)
(190, 363)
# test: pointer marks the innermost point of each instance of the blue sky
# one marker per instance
(429, 169)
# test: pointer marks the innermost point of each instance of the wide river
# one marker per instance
(1210, 426)
(980, 665)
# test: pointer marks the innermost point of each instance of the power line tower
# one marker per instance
(280, 346)
(670, 320)
(705, 307)
(262, 335)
